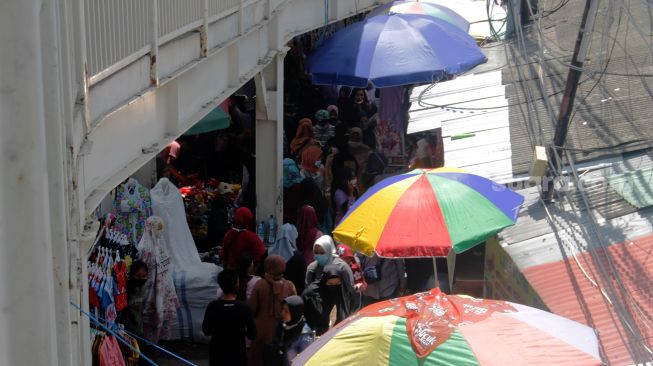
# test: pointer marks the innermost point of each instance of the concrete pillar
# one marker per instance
(27, 317)
(269, 141)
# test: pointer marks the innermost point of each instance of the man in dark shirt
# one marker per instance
(228, 321)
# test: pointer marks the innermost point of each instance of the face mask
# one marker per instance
(322, 259)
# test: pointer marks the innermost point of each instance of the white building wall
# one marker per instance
(69, 137)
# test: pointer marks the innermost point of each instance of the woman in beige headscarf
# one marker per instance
(266, 304)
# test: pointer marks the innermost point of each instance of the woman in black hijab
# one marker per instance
(333, 289)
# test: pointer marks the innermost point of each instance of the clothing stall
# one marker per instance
(148, 227)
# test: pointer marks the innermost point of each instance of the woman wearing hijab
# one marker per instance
(308, 232)
(331, 290)
(241, 238)
(310, 194)
(360, 105)
(324, 251)
(311, 165)
(292, 336)
(266, 304)
(291, 190)
(304, 137)
(358, 149)
(286, 247)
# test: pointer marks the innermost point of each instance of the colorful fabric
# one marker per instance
(432, 328)
(109, 352)
(425, 213)
(160, 300)
(133, 206)
(120, 295)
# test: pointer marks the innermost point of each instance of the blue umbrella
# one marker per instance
(394, 49)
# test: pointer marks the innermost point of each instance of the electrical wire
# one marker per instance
(118, 337)
(638, 350)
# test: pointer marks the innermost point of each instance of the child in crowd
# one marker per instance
(347, 255)
(292, 335)
(228, 321)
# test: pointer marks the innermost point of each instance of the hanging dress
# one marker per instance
(168, 204)
(160, 301)
(132, 206)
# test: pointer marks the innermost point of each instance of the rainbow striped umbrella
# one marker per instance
(425, 213)
(414, 7)
(432, 328)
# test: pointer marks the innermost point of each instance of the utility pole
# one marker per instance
(566, 107)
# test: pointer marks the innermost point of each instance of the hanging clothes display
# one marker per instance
(132, 205)
(107, 271)
(160, 301)
(107, 351)
(168, 204)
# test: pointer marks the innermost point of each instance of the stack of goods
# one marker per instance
(197, 201)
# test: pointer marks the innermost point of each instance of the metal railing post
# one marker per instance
(204, 31)
(241, 22)
(81, 61)
(154, 41)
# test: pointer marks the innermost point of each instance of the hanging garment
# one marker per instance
(132, 205)
(110, 354)
(168, 204)
(160, 301)
(120, 295)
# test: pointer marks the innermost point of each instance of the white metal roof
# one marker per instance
(474, 105)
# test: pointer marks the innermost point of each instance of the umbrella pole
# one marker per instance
(435, 273)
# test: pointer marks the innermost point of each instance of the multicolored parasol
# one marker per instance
(425, 213)
(413, 7)
(432, 328)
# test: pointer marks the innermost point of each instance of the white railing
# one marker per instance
(218, 6)
(115, 30)
(118, 32)
(175, 15)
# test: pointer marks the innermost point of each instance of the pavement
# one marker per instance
(196, 353)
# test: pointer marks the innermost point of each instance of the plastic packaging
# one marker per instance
(260, 231)
(272, 233)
